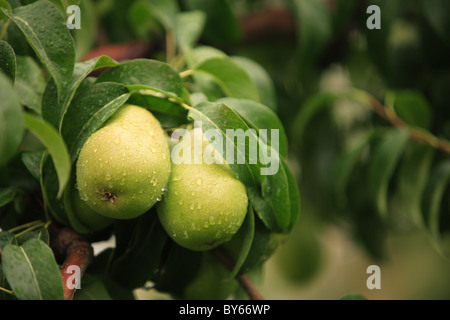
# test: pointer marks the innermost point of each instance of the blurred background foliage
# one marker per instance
(370, 194)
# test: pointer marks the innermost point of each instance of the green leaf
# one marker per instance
(7, 195)
(230, 76)
(413, 108)
(345, 165)
(413, 176)
(164, 11)
(433, 197)
(32, 161)
(32, 271)
(50, 187)
(49, 37)
(90, 108)
(261, 78)
(30, 83)
(309, 109)
(383, 164)
(189, 27)
(247, 230)
(11, 121)
(4, 4)
(152, 73)
(222, 24)
(314, 28)
(258, 116)
(54, 109)
(294, 195)
(7, 60)
(55, 145)
(140, 261)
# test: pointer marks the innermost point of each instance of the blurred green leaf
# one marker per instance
(413, 108)
(7, 195)
(314, 28)
(189, 27)
(353, 296)
(30, 83)
(32, 271)
(433, 197)
(233, 79)
(85, 37)
(4, 4)
(222, 24)
(383, 165)
(11, 121)
(55, 145)
(437, 13)
(413, 175)
(262, 79)
(49, 37)
(8, 63)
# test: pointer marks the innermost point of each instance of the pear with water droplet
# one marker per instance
(205, 204)
(124, 166)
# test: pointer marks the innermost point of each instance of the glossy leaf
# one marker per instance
(54, 108)
(258, 116)
(49, 37)
(152, 73)
(32, 271)
(55, 145)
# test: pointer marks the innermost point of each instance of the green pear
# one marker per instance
(205, 204)
(123, 167)
(212, 282)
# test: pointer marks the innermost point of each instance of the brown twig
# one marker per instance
(77, 251)
(243, 279)
(417, 135)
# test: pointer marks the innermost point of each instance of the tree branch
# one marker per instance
(243, 279)
(417, 135)
(76, 250)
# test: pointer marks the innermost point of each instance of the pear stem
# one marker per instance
(243, 279)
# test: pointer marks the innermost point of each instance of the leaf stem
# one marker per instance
(23, 226)
(186, 73)
(7, 291)
(5, 27)
(30, 229)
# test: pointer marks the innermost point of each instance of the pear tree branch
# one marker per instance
(244, 281)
